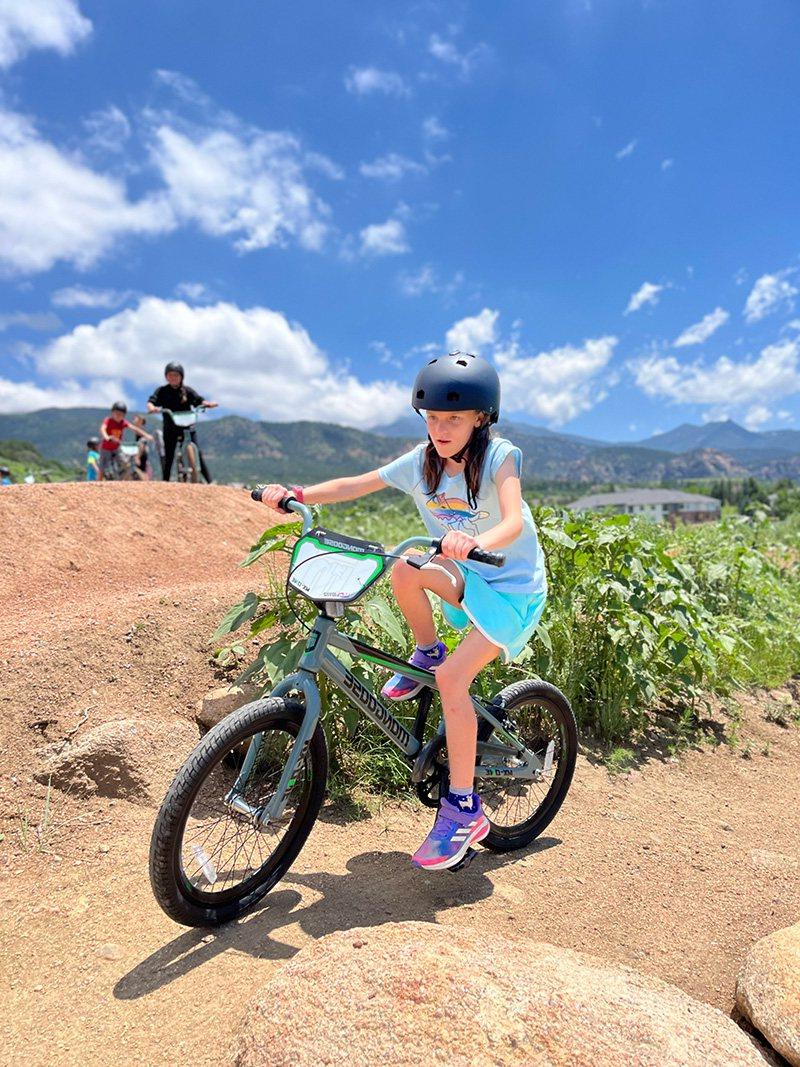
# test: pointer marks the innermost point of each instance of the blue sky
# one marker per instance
(302, 202)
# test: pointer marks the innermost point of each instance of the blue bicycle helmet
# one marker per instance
(458, 382)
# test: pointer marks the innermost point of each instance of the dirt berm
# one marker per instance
(108, 597)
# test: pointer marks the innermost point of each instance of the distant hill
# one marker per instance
(724, 436)
(243, 450)
(22, 459)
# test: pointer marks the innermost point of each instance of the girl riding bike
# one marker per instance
(466, 485)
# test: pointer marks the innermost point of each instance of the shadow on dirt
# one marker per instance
(379, 887)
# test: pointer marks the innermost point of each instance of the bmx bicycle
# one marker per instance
(244, 801)
(187, 451)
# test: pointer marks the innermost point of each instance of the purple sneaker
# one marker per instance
(401, 688)
(453, 833)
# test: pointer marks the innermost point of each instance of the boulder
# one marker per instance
(418, 993)
(221, 702)
(768, 990)
(133, 759)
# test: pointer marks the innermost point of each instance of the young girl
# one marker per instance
(466, 485)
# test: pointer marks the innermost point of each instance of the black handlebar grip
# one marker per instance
(257, 493)
(493, 559)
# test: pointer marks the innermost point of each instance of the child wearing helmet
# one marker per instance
(466, 485)
(177, 396)
(111, 431)
(93, 459)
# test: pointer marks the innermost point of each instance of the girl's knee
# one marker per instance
(404, 575)
(450, 679)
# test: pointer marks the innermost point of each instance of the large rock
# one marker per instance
(417, 993)
(221, 702)
(768, 990)
(134, 759)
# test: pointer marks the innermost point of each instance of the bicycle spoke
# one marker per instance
(232, 846)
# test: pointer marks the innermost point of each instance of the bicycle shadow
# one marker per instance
(379, 887)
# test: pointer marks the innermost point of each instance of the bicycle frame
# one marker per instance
(317, 657)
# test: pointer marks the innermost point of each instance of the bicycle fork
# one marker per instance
(274, 809)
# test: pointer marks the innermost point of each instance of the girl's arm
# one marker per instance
(103, 435)
(457, 545)
(140, 432)
(331, 492)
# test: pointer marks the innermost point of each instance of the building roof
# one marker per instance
(641, 496)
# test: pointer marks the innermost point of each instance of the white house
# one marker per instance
(658, 504)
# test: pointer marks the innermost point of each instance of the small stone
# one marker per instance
(103, 848)
(38, 988)
(109, 951)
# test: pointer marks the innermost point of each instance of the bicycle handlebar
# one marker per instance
(290, 503)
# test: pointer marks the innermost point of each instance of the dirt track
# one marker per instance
(109, 595)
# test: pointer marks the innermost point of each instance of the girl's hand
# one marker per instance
(458, 545)
(272, 495)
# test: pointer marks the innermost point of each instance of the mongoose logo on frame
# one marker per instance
(396, 729)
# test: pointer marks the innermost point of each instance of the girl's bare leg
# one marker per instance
(454, 678)
(409, 585)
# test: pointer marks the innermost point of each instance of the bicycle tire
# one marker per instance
(175, 895)
(193, 459)
(516, 695)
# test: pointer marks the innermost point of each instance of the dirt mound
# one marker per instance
(768, 990)
(409, 992)
(130, 759)
(118, 537)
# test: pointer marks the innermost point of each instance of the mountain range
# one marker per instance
(243, 450)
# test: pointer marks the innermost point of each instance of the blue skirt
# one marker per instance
(508, 620)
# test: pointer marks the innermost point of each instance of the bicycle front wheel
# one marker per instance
(519, 809)
(193, 460)
(210, 862)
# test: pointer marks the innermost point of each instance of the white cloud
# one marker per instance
(756, 416)
(365, 80)
(197, 292)
(108, 129)
(701, 331)
(242, 183)
(773, 374)
(473, 333)
(427, 280)
(433, 130)
(556, 385)
(769, 294)
(447, 52)
(628, 150)
(28, 396)
(53, 207)
(81, 296)
(384, 239)
(667, 164)
(42, 321)
(646, 294)
(391, 167)
(29, 24)
(251, 360)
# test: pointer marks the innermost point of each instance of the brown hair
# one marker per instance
(433, 464)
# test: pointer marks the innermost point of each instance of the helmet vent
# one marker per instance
(420, 394)
(455, 397)
(433, 361)
(461, 362)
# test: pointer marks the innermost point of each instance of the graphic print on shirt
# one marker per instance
(456, 514)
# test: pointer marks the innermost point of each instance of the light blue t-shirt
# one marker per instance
(447, 509)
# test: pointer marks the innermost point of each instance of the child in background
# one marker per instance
(93, 460)
(5, 476)
(111, 431)
(143, 469)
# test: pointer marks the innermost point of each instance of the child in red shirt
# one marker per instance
(111, 431)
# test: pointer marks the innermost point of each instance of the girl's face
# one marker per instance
(174, 378)
(450, 430)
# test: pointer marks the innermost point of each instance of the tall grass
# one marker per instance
(639, 617)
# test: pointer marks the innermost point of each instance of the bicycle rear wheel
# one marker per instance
(519, 809)
(209, 862)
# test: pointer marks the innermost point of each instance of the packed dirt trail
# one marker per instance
(108, 597)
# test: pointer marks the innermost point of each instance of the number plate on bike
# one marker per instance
(330, 566)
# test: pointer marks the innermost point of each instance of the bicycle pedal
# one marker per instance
(465, 860)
